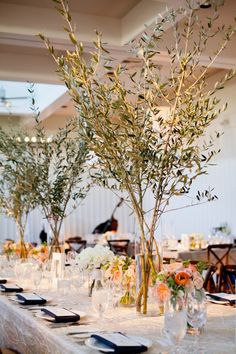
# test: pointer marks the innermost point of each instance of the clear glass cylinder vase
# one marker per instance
(147, 268)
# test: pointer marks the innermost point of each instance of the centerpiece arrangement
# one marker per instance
(121, 270)
(149, 156)
(91, 260)
(17, 183)
(177, 280)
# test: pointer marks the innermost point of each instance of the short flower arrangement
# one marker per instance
(121, 271)
(40, 253)
(177, 279)
(12, 248)
(94, 258)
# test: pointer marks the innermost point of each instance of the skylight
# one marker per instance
(15, 98)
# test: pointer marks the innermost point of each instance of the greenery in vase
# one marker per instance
(17, 182)
(60, 171)
(138, 150)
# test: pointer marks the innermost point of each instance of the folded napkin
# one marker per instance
(31, 299)
(61, 314)
(3, 281)
(231, 298)
(11, 288)
(121, 343)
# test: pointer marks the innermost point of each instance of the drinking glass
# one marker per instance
(100, 301)
(196, 314)
(175, 321)
(37, 277)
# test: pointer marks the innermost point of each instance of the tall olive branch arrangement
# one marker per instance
(60, 170)
(137, 149)
(17, 181)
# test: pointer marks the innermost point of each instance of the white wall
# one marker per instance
(221, 177)
(96, 208)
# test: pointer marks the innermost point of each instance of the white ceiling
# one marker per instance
(107, 8)
(24, 58)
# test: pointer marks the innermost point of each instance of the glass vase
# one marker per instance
(147, 268)
(96, 281)
(175, 321)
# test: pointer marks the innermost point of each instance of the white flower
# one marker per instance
(95, 257)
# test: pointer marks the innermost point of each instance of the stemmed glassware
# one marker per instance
(196, 314)
(175, 321)
(100, 298)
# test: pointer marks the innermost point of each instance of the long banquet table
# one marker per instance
(21, 330)
(198, 255)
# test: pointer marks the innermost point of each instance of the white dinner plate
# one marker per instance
(95, 344)
(46, 317)
(220, 302)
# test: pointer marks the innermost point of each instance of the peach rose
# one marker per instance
(182, 278)
(163, 292)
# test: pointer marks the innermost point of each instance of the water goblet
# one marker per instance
(175, 321)
(100, 301)
(196, 314)
(37, 277)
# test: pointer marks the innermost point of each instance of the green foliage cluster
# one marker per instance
(49, 173)
(60, 170)
(17, 180)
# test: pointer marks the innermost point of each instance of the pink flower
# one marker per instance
(198, 282)
(117, 276)
(163, 292)
(192, 267)
(173, 267)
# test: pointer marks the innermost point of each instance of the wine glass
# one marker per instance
(37, 277)
(100, 301)
(175, 321)
(196, 313)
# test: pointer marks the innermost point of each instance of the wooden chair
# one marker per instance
(76, 244)
(218, 256)
(216, 259)
(119, 246)
(210, 284)
(227, 278)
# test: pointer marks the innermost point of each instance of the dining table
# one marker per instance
(23, 328)
(197, 254)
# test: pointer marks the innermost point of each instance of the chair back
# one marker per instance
(119, 246)
(76, 244)
(218, 255)
(210, 281)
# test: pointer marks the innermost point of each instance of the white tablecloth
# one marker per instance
(21, 330)
(199, 255)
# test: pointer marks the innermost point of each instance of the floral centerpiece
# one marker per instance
(177, 280)
(40, 253)
(91, 260)
(9, 248)
(94, 257)
(13, 248)
(121, 271)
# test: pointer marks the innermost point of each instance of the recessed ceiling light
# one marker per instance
(205, 5)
